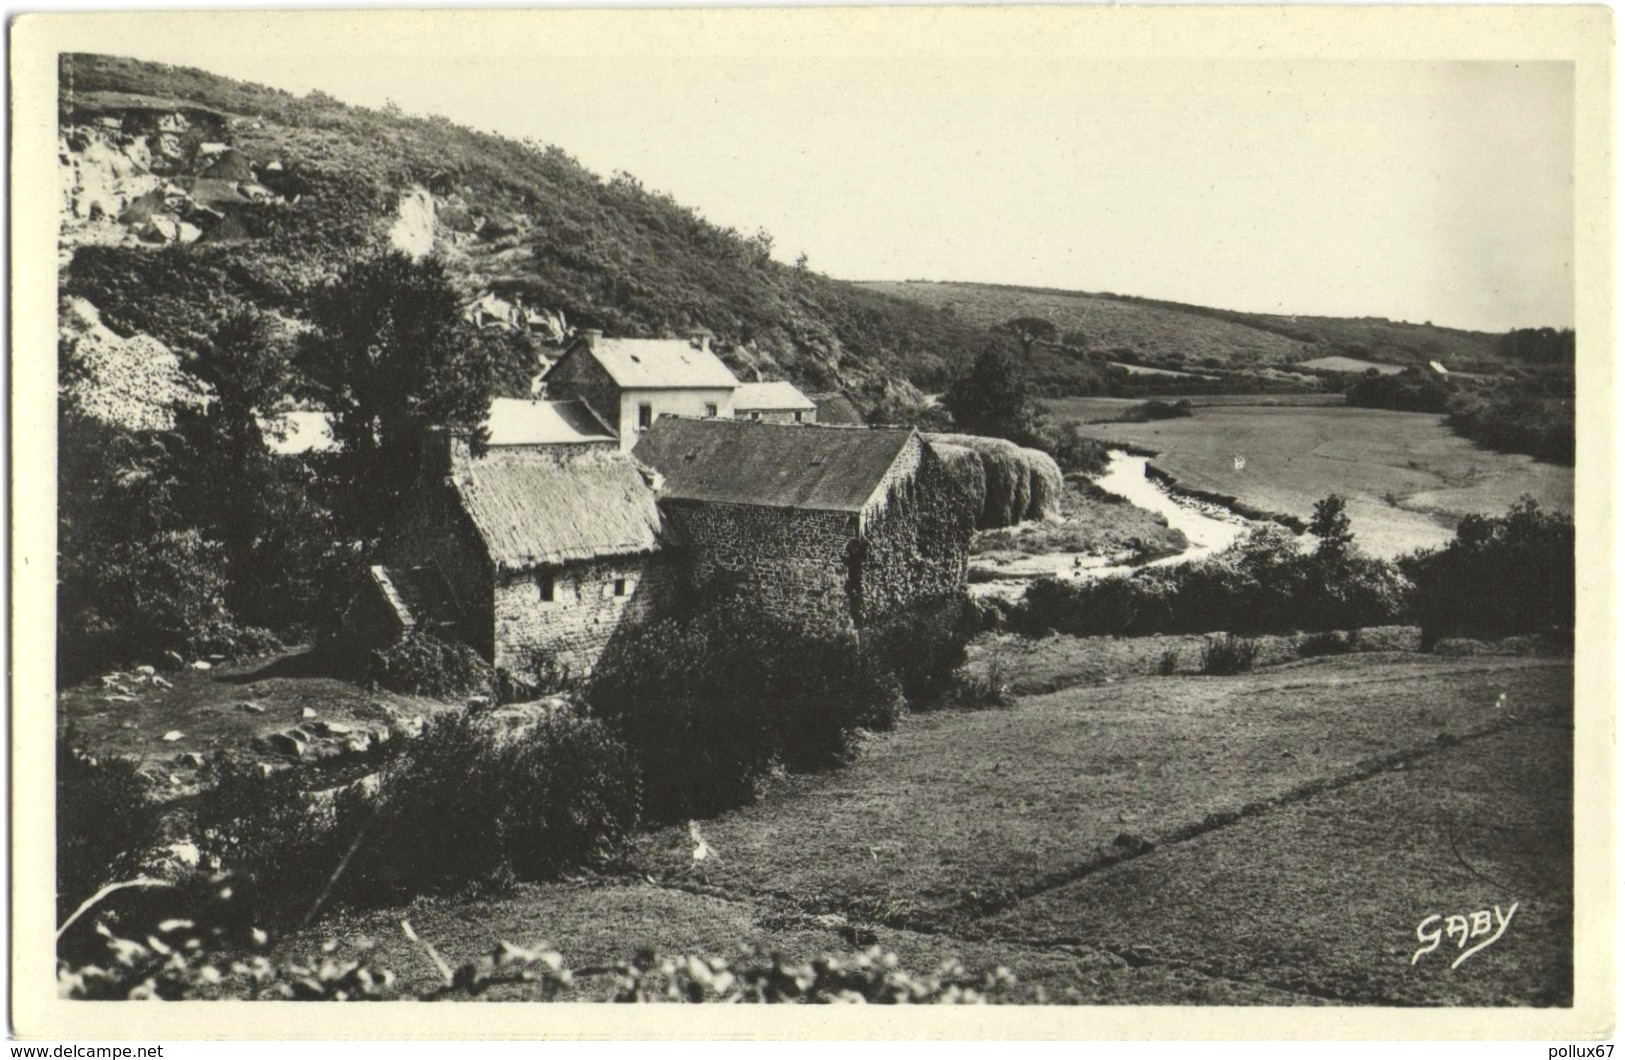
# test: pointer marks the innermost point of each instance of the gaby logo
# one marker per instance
(1461, 928)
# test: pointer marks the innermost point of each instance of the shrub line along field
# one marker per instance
(1349, 768)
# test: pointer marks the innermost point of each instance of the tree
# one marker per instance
(1331, 526)
(1030, 330)
(993, 397)
(389, 358)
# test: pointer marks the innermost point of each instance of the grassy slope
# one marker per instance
(1301, 817)
(608, 253)
(1156, 332)
(1407, 478)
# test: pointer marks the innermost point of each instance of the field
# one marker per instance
(1271, 838)
(1351, 365)
(1407, 479)
(1107, 409)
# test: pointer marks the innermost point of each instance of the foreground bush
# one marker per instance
(194, 957)
(709, 703)
(422, 665)
(104, 823)
(1225, 655)
(475, 800)
(1498, 576)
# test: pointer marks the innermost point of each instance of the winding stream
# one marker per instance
(1208, 528)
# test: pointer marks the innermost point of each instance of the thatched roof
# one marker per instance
(534, 507)
(775, 465)
(517, 421)
(770, 397)
(656, 364)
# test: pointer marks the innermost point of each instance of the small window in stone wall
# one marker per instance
(710, 410)
(620, 586)
(547, 587)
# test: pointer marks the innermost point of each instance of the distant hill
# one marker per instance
(1171, 335)
(186, 193)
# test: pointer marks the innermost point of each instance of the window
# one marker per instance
(710, 410)
(646, 417)
(620, 586)
(756, 415)
(546, 586)
(798, 415)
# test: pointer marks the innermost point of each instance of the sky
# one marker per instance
(1414, 190)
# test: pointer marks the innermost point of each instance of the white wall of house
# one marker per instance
(698, 402)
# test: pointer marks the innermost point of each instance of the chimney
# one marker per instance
(443, 451)
(591, 337)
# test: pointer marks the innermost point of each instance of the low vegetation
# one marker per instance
(1530, 412)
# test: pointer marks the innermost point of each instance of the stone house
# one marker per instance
(830, 527)
(545, 548)
(632, 382)
(773, 403)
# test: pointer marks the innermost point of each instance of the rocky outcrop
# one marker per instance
(413, 230)
(135, 383)
(1018, 484)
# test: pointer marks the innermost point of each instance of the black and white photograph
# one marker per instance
(1011, 507)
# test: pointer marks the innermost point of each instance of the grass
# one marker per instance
(1324, 896)
(1407, 478)
(1092, 522)
(1157, 840)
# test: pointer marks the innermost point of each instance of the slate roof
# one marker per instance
(771, 397)
(520, 421)
(776, 465)
(658, 364)
(533, 507)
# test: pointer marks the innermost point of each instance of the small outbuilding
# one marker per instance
(773, 403)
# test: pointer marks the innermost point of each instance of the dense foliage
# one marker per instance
(1499, 575)
(1530, 412)
(103, 823)
(996, 398)
(1264, 583)
(207, 955)
(711, 701)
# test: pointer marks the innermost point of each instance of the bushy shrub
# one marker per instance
(1499, 575)
(1227, 654)
(473, 800)
(709, 702)
(280, 843)
(104, 823)
(1168, 662)
(423, 665)
(923, 645)
(1263, 583)
(1156, 409)
(1328, 642)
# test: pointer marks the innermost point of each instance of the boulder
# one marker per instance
(286, 743)
(172, 735)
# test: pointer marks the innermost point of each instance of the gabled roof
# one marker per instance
(540, 506)
(419, 597)
(771, 397)
(776, 465)
(656, 364)
(518, 421)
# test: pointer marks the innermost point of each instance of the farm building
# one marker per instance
(632, 382)
(774, 403)
(830, 527)
(544, 550)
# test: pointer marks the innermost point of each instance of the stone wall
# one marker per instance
(579, 375)
(435, 531)
(795, 563)
(916, 539)
(571, 631)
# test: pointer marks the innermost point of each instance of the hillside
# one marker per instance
(1170, 335)
(185, 194)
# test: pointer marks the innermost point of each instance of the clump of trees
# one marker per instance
(191, 536)
(995, 398)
